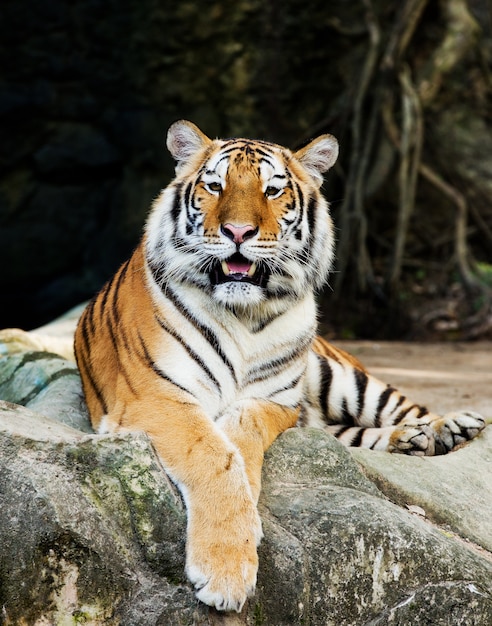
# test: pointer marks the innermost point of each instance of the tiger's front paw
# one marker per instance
(454, 429)
(226, 580)
(223, 565)
(418, 440)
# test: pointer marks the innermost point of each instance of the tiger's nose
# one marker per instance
(238, 234)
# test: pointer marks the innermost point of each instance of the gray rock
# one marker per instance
(47, 384)
(454, 490)
(89, 527)
(92, 530)
(361, 559)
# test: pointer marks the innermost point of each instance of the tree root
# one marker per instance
(403, 121)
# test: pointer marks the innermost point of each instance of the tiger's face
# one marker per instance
(243, 220)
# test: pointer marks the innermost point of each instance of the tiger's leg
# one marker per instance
(223, 527)
(428, 436)
(253, 425)
(360, 410)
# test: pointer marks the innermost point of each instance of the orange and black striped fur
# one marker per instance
(205, 339)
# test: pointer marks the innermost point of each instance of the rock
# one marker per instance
(46, 384)
(454, 490)
(91, 529)
(361, 559)
(55, 337)
(91, 532)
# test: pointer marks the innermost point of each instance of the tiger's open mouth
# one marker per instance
(238, 269)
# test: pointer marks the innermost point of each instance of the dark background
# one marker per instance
(88, 89)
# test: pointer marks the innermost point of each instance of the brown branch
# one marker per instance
(352, 212)
(460, 238)
(410, 149)
(461, 35)
(403, 30)
(460, 235)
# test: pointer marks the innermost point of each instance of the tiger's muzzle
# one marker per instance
(238, 269)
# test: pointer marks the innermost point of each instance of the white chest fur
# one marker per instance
(222, 359)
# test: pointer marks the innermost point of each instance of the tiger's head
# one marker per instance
(243, 220)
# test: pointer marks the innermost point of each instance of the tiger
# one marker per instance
(205, 339)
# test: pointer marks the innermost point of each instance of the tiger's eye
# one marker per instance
(214, 186)
(271, 191)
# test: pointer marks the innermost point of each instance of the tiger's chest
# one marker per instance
(220, 360)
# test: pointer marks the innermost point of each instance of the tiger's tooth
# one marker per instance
(225, 268)
(252, 269)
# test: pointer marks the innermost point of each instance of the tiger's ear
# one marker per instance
(184, 139)
(318, 156)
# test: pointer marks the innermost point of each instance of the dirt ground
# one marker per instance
(444, 377)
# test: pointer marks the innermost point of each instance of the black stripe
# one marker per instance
(305, 253)
(224, 157)
(403, 414)
(113, 316)
(375, 443)
(158, 272)
(357, 438)
(346, 416)
(281, 293)
(270, 368)
(422, 411)
(399, 403)
(89, 312)
(84, 362)
(187, 194)
(196, 357)
(342, 429)
(113, 337)
(204, 330)
(107, 289)
(361, 380)
(265, 158)
(113, 320)
(155, 368)
(264, 323)
(228, 148)
(298, 198)
(383, 401)
(288, 387)
(103, 301)
(121, 368)
(176, 208)
(311, 212)
(325, 383)
(266, 155)
(121, 277)
(88, 377)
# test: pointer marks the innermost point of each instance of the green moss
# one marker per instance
(485, 273)
(258, 615)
